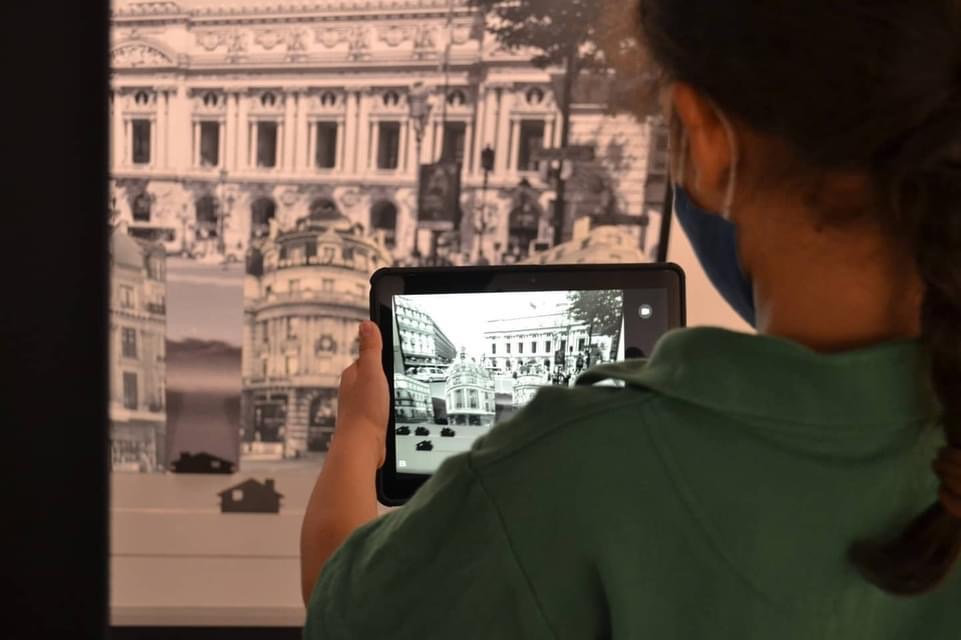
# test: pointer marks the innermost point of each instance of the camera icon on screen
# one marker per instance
(645, 311)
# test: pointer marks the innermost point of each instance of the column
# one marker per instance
(117, 130)
(221, 144)
(404, 153)
(302, 136)
(242, 150)
(502, 144)
(311, 143)
(180, 124)
(127, 143)
(373, 142)
(362, 162)
(341, 146)
(514, 145)
(195, 143)
(153, 140)
(162, 128)
(290, 129)
(351, 113)
(229, 159)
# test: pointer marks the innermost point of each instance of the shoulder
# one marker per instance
(558, 414)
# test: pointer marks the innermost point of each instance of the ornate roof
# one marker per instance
(464, 366)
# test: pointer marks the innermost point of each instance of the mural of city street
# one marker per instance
(266, 160)
(465, 362)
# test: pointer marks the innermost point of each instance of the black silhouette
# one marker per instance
(633, 352)
(201, 463)
(422, 431)
(447, 432)
(251, 496)
(426, 445)
(403, 431)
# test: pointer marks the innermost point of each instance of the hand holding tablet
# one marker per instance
(466, 348)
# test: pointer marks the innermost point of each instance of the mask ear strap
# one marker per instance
(732, 174)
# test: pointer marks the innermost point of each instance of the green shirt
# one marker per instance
(713, 496)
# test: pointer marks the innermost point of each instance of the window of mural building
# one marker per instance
(130, 390)
(520, 347)
(126, 297)
(206, 217)
(267, 144)
(531, 140)
(533, 347)
(293, 364)
(388, 146)
(293, 328)
(140, 131)
(262, 211)
(383, 220)
(455, 135)
(141, 207)
(209, 144)
(128, 341)
(547, 347)
(326, 153)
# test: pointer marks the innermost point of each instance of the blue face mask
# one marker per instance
(714, 240)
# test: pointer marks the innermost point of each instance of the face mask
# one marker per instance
(713, 237)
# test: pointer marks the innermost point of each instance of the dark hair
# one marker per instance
(872, 86)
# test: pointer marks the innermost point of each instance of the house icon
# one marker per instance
(201, 463)
(251, 496)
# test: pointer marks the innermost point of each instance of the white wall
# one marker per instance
(705, 306)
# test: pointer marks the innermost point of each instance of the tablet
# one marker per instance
(466, 348)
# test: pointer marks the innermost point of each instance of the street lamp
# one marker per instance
(223, 210)
(487, 164)
(184, 219)
(419, 110)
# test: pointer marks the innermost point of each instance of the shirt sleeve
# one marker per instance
(439, 567)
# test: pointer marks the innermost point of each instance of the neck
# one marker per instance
(836, 291)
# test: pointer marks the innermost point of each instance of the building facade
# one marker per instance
(470, 394)
(225, 117)
(306, 292)
(548, 340)
(137, 351)
(424, 346)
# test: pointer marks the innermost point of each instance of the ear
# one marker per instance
(709, 147)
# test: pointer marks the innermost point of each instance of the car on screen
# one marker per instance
(426, 445)
(422, 431)
(447, 432)
(403, 431)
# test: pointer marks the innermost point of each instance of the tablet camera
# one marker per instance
(646, 311)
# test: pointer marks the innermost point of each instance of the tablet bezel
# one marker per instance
(395, 489)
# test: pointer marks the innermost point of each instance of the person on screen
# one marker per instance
(801, 482)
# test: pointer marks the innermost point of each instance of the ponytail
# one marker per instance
(921, 175)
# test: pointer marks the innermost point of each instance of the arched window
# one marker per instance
(456, 98)
(142, 98)
(328, 99)
(210, 99)
(383, 218)
(535, 96)
(206, 207)
(391, 99)
(324, 209)
(262, 211)
(326, 345)
(268, 99)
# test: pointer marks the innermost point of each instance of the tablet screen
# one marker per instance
(465, 362)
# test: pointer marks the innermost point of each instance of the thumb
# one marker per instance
(371, 344)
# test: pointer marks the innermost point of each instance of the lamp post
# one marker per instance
(487, 164)
(184, 219)
(419, 111)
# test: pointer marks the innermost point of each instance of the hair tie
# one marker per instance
(948, 468)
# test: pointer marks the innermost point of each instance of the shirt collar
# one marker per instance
(778, 379)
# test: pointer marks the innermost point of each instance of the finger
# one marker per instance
(371, 345)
